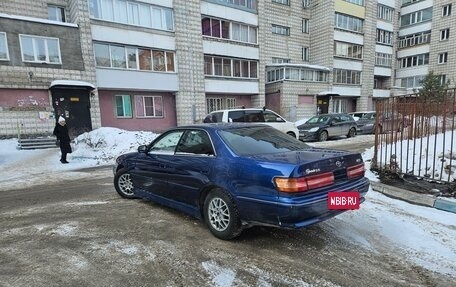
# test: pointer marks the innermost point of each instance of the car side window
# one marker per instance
(271, 117)
(345, 118)
(236, 116)
(195, 142)
(167, 143)
(254, 117)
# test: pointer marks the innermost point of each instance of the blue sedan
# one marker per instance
(235, 175)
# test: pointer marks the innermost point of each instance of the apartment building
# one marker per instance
(154, 64)
(46, 67)
(425, 43)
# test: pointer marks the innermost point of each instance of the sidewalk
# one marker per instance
(415, 198)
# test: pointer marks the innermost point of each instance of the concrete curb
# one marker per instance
(413, 197)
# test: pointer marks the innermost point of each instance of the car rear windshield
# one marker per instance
(260, 140)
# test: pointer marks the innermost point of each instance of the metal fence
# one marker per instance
(416, 136)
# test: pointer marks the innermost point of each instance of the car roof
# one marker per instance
(333, 114)
(240, 109)
(221, 126)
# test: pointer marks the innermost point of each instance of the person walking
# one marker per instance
(63, 138)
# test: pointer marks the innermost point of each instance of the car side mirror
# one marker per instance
(142, 148)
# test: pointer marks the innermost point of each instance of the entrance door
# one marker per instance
(74, 105)
(323, 104)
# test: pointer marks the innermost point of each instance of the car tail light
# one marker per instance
(304, 183)
(356, 171)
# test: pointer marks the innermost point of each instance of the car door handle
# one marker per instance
(204, 171)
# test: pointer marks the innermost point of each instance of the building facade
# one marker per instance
(154, 64)
(46, 67)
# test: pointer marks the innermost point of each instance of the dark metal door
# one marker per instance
(74, 105)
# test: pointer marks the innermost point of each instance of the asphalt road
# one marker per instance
(81, 233)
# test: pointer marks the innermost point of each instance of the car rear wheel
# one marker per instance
(351, 133)
(323, 136)
(123, 184)
(221, 215)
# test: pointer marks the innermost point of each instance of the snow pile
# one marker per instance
(106, 144)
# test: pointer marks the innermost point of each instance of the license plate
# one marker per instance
(343, 200)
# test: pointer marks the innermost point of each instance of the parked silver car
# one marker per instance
(324, 126)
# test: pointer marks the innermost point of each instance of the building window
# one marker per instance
(306, 3)
(444, 34)
(446, 10)
(56, 13)
(215, 104)
(281, 30)
(123, 106)
(412, 82)
(149, 106)
(284, 2)
(132, 13)
(415, 39)
(251, 4)
(230, 68)
(384, 37)
(348, 50)
(443, 57)
(280, 60)
(275, 74)
(305, 25)
(442, 79)
(357, 2)
(305, 54)
(115, 56)
(414, 61)
(382, 59)
(3, 47)
(350, 23)
(404, 2)
(227, 30)
(416, 17)
(349, 77)
(40, 49)
(385, 13)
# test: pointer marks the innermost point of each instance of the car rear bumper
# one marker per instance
(299, 211)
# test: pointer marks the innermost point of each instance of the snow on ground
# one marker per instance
(423, 235)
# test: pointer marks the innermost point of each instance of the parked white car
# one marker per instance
(252, 115)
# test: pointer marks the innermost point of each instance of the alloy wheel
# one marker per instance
(219, 214)
(125, 184)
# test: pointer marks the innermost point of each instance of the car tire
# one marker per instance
(323, 136)
(123, 184)
(221, 215)
(351, 133)
(291, 134)
(379, 129)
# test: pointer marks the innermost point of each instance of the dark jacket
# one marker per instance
(61, 132)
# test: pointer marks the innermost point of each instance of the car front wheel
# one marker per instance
(221, 215)
(123, 184)
(291, 134)
(323, 136)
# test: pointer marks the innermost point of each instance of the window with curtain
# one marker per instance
(123, 106)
